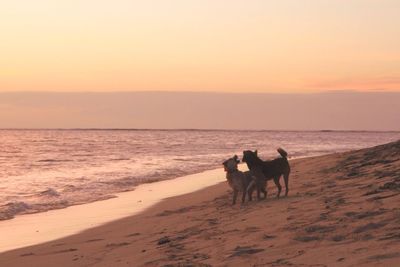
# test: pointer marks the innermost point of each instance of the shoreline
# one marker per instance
(117, 194)
(32, 229)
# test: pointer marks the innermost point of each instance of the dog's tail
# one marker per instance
(282, 152)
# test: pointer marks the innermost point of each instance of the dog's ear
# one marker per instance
(236, 158)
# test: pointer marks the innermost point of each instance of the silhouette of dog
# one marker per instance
(237, 180)
(272, 169)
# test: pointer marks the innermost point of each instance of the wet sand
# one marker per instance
(342, 210)
(32, 229)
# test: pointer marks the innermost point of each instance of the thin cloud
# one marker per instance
(384, 83)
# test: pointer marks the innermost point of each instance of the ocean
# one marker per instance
(42, 170)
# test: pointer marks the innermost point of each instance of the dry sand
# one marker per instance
(342, 210)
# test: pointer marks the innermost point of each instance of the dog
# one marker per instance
(258, 182)
(239, 181)
(272, 169)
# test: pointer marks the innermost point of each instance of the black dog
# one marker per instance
(272, 169)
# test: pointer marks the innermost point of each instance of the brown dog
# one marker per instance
(237, 180)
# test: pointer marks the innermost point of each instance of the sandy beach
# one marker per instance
(342, 210)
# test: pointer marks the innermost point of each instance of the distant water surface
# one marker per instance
(49, 169)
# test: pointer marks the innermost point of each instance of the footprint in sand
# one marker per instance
(94, 240)
(164, 240)
(134, 234)
(391, 236)
(384, 256)
(201, 256)
(252, 229)
(319, 229)
(267, 237)
(64, 250)
(338, 238)
(113, 245)
(212, 221)
(363, 215)
(27, 254)
(241, 251)
(58, 245)
(383, 197)
(307, 238)
(367, 227)
(178, 211)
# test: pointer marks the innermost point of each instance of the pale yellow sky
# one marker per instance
(202, 45)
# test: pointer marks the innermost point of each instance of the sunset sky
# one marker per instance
(270, 46)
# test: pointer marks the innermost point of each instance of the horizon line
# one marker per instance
(208, 92)
(189, 129)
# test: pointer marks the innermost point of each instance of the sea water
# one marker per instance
(42, 170)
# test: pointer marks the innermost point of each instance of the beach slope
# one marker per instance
(342, 210)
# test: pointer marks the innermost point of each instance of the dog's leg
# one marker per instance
(235, 193)
(276, 181)
(266, 188)
(261, 183)
(260, 189)
(286, 177)
(244, 196)
(250, 189)
(263, 187)
(250, 194)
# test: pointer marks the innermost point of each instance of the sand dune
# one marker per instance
(342, 210)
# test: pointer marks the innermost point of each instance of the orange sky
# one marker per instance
(202, 45)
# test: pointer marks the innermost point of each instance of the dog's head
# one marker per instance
(249, 156)
(231, 164)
